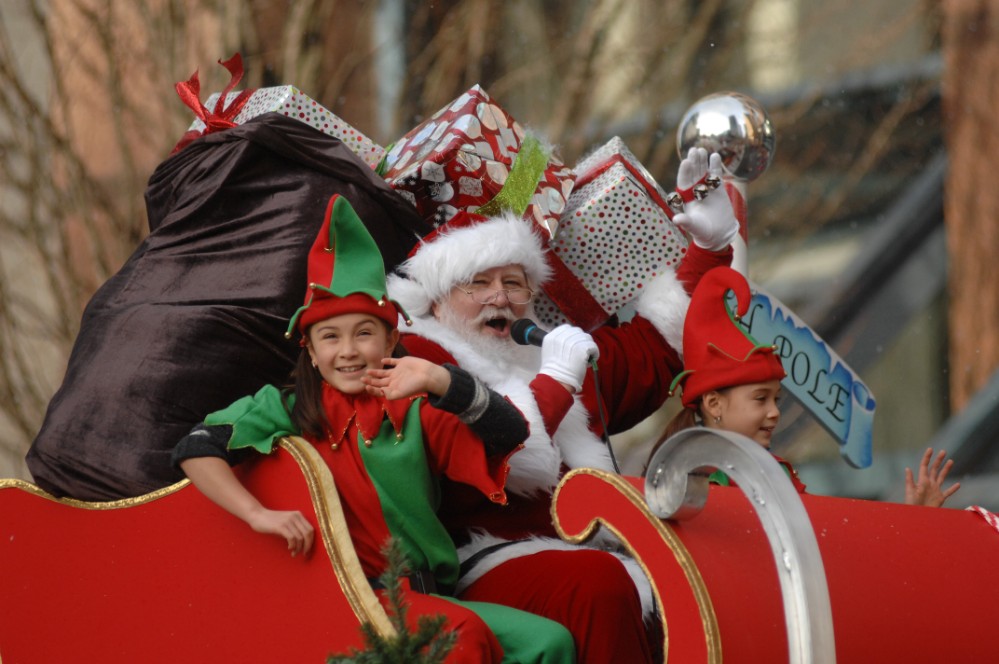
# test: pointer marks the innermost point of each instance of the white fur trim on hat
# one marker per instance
(455, 255)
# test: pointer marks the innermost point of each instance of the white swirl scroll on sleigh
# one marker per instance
(816, 376)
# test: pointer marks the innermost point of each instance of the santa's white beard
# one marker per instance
(510, 370)
(504, 351)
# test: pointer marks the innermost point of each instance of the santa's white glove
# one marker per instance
(565, 352)
(710, 222)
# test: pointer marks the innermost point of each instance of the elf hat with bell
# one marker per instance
(346, 273)
(717, 353)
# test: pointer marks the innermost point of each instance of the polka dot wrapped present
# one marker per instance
(292, 102)
(616, 232)
(465, 154)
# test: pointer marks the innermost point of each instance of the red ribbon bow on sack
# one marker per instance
(221, 117)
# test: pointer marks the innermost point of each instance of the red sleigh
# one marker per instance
(169, 577)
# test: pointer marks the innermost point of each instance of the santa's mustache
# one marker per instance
(490, 312)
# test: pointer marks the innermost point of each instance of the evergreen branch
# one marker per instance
(431, 642)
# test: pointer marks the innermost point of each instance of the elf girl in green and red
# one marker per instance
(731, 382)
(385, 454)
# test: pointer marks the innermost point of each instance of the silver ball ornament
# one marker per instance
(733, 125)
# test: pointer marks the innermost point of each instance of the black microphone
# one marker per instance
(526, 332)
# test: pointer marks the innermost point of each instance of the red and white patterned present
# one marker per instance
(616, 232)
(461, 157)
(292, 102)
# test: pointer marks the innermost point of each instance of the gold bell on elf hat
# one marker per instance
(346, 273)
(717, 352)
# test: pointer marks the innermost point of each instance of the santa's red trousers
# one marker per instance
(587, 591)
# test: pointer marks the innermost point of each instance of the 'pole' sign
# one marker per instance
(816, 376)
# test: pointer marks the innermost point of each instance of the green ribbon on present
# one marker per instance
(383, 166)
(526, 171)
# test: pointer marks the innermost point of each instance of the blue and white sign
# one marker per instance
(816, 376)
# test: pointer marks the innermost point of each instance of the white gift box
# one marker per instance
(292, 102)
(615, 234)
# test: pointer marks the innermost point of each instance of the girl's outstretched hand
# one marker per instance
(406, 377)
(928, 489)
(292, 526)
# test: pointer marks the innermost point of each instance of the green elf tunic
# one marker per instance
(386, 457)
(720, 478)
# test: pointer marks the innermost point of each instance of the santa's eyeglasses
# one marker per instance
(485, 295)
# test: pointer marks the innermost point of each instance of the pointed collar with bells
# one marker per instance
(366, 411)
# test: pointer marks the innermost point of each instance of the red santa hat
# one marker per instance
(346, 273)
(717, 352)
(466, 245)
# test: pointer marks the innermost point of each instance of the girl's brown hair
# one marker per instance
(684, 419)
